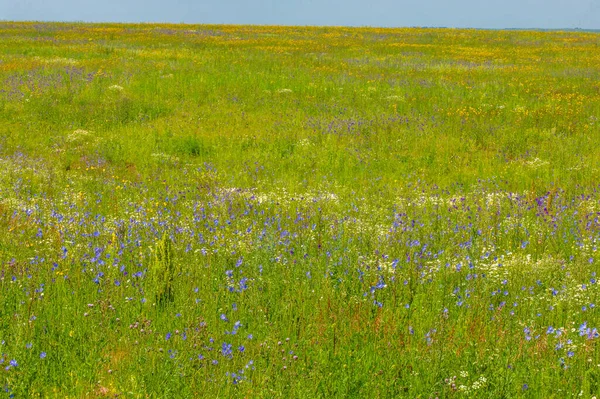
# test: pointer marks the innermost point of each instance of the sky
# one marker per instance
(497, 14)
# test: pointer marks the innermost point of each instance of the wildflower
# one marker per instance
(527, 332)
(226, 349)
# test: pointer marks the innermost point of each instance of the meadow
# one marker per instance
(266, 212)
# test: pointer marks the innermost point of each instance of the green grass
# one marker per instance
(237, 211)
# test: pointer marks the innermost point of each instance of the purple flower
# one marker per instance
(226, 349)
(43, 355)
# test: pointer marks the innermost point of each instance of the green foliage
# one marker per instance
(163, 272)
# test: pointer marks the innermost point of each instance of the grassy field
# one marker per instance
(234, 211)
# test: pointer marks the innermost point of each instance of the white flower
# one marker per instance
(77, 135)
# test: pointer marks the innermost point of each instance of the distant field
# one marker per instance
(247, 211)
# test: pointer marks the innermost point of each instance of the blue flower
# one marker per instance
(43, 355)
(226, 349)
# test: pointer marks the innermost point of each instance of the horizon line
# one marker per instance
(563, 29)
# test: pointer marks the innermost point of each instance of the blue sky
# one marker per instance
(451, 13)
